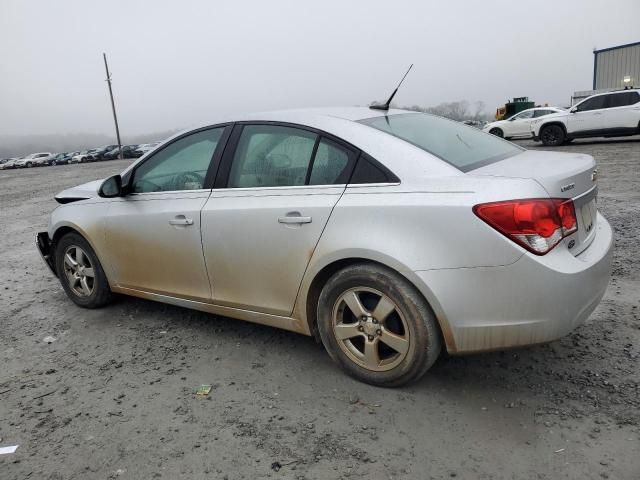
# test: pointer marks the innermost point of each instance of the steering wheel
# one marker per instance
(180, 180)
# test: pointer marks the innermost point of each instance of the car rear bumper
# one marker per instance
(43, 242)
(534, 300)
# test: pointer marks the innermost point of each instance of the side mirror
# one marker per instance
(573, 110)
(111, 187)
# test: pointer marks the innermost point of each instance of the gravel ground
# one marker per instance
(112, 396)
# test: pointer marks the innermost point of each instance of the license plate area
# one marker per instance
(586, 216)
(588, 213)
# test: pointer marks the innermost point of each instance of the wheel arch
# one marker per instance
(553, 122)
(64, 228)
(307, 307)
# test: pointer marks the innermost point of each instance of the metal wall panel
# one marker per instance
(612, 65)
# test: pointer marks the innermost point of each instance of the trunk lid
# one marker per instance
(562, 175)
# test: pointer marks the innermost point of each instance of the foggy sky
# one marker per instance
(177, 64)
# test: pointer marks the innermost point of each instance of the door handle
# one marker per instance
(181, 220)
(294, 218)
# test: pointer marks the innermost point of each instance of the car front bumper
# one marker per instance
(43, 242)
(536, 299)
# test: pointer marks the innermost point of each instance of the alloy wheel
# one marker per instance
(370, 329)
(79, 271)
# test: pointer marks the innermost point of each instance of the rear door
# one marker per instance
(274, 193)
(624, 110)
(153, 233)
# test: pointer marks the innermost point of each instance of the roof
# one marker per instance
(616, 47)
(345, 113)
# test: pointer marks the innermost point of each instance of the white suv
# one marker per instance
(34, 160)
(613, 114)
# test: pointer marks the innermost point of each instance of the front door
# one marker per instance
(589, 117)
(520, 124)
(153, 233)
(261, 227)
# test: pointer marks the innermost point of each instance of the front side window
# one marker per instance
(524, 115)
(181, 165)
(593, 103)
(271, 156)
(463, 147)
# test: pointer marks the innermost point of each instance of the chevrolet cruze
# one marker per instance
(388, 235)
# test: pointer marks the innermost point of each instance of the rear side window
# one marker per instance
(369, 171)
(271, 156)
(330, 164)
(463, 147)
(623, 99)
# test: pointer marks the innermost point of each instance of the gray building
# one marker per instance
(614, 68)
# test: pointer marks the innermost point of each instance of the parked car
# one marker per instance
(614, 114)
(84, 156)
(100, 152)
(34, 160)
(519, 125)
(9, 164)
(144, 148)
(388, 235)
(127, 152)
(60, 159)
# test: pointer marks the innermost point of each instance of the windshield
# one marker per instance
(466, 148)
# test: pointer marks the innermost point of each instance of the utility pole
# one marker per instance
(113, 106)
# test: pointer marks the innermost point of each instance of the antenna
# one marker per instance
(386, 105)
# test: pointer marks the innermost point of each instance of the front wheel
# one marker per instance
(497, 132)
(80, 272)
(29, 164)
(552, 136)
(377, 326)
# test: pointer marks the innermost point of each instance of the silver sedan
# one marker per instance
(387, 235)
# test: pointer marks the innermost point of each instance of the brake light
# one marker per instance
(537, 224)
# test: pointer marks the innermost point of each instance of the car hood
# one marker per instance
(494, 124)
(81, 192)
(562, 175)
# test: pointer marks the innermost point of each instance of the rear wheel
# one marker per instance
(497, 132)
(80, 272)
(552, 136)
(377, 326)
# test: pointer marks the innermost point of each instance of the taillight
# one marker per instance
(537, 224)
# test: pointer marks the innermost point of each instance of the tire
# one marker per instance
(29, 165)
(80, 288)
(552, 135)
(497, 132)
(409, 324)
(53, 163)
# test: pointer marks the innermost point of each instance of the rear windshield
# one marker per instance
(464, 147)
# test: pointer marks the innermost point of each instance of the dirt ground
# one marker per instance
(113, 395)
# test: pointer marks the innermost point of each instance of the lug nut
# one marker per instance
(360, 329)
(378, 332)
(375, 320)
(370, 338)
